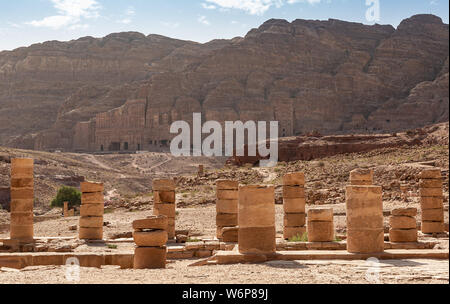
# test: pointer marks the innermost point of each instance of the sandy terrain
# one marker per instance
(277, 272)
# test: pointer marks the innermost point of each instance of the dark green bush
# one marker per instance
(67, 194)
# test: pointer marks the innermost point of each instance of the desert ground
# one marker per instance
(127, 179)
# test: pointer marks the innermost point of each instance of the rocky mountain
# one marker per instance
(45, 81)
(124, 91)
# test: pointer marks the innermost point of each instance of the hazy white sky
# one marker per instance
(24, 22)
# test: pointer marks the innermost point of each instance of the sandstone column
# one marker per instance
(403, 225)
(91, 211)
(201, 170)
(432, 201)
(227, 210)
(256, 218)
(165, 203)
(361, 177)
(365, 231)
(150, 236)
(22, 199)
(66, 209)
(294, 203)
(320, 225)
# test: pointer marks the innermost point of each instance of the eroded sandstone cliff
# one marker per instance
(329, 76)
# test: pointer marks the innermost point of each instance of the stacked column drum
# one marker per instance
(403, 225)
(227, 210)
(361, 177)
(365, 229)
(150, 236)
(432, 201)
(294, 203)
(165, 203)
(256, 219)
(91, 211)
(22, 199)
(320, 225)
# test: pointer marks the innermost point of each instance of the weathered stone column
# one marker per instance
(320, 225)
(227, 210)
(256, 218)
(150, 236)
(294, 204)
(22, 199)
(403, 225)
(365, 231)
(66, 209)
(361, 177)
(68, 212)
(201, 170)
(432, 201)
(165, 202)
(91, 211)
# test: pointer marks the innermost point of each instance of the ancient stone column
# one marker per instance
(256, 219)
(201, 170)
(365, 231)
(403, 225)
(294, 203)
(22, 199)
(66, 209)
(432, 201)
(361, 177)
(165, 203)
(150, 236)
(320, 225)
(227, 209)
(91, 211)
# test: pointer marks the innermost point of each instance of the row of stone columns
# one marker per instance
(22, 199)
(91, 211)
(365, 221)
(252, 209)
(165, 202)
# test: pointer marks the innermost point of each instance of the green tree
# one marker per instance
(67, 194)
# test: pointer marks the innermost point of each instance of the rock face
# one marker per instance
(55, 84)
(329, 76)
(312, 147)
